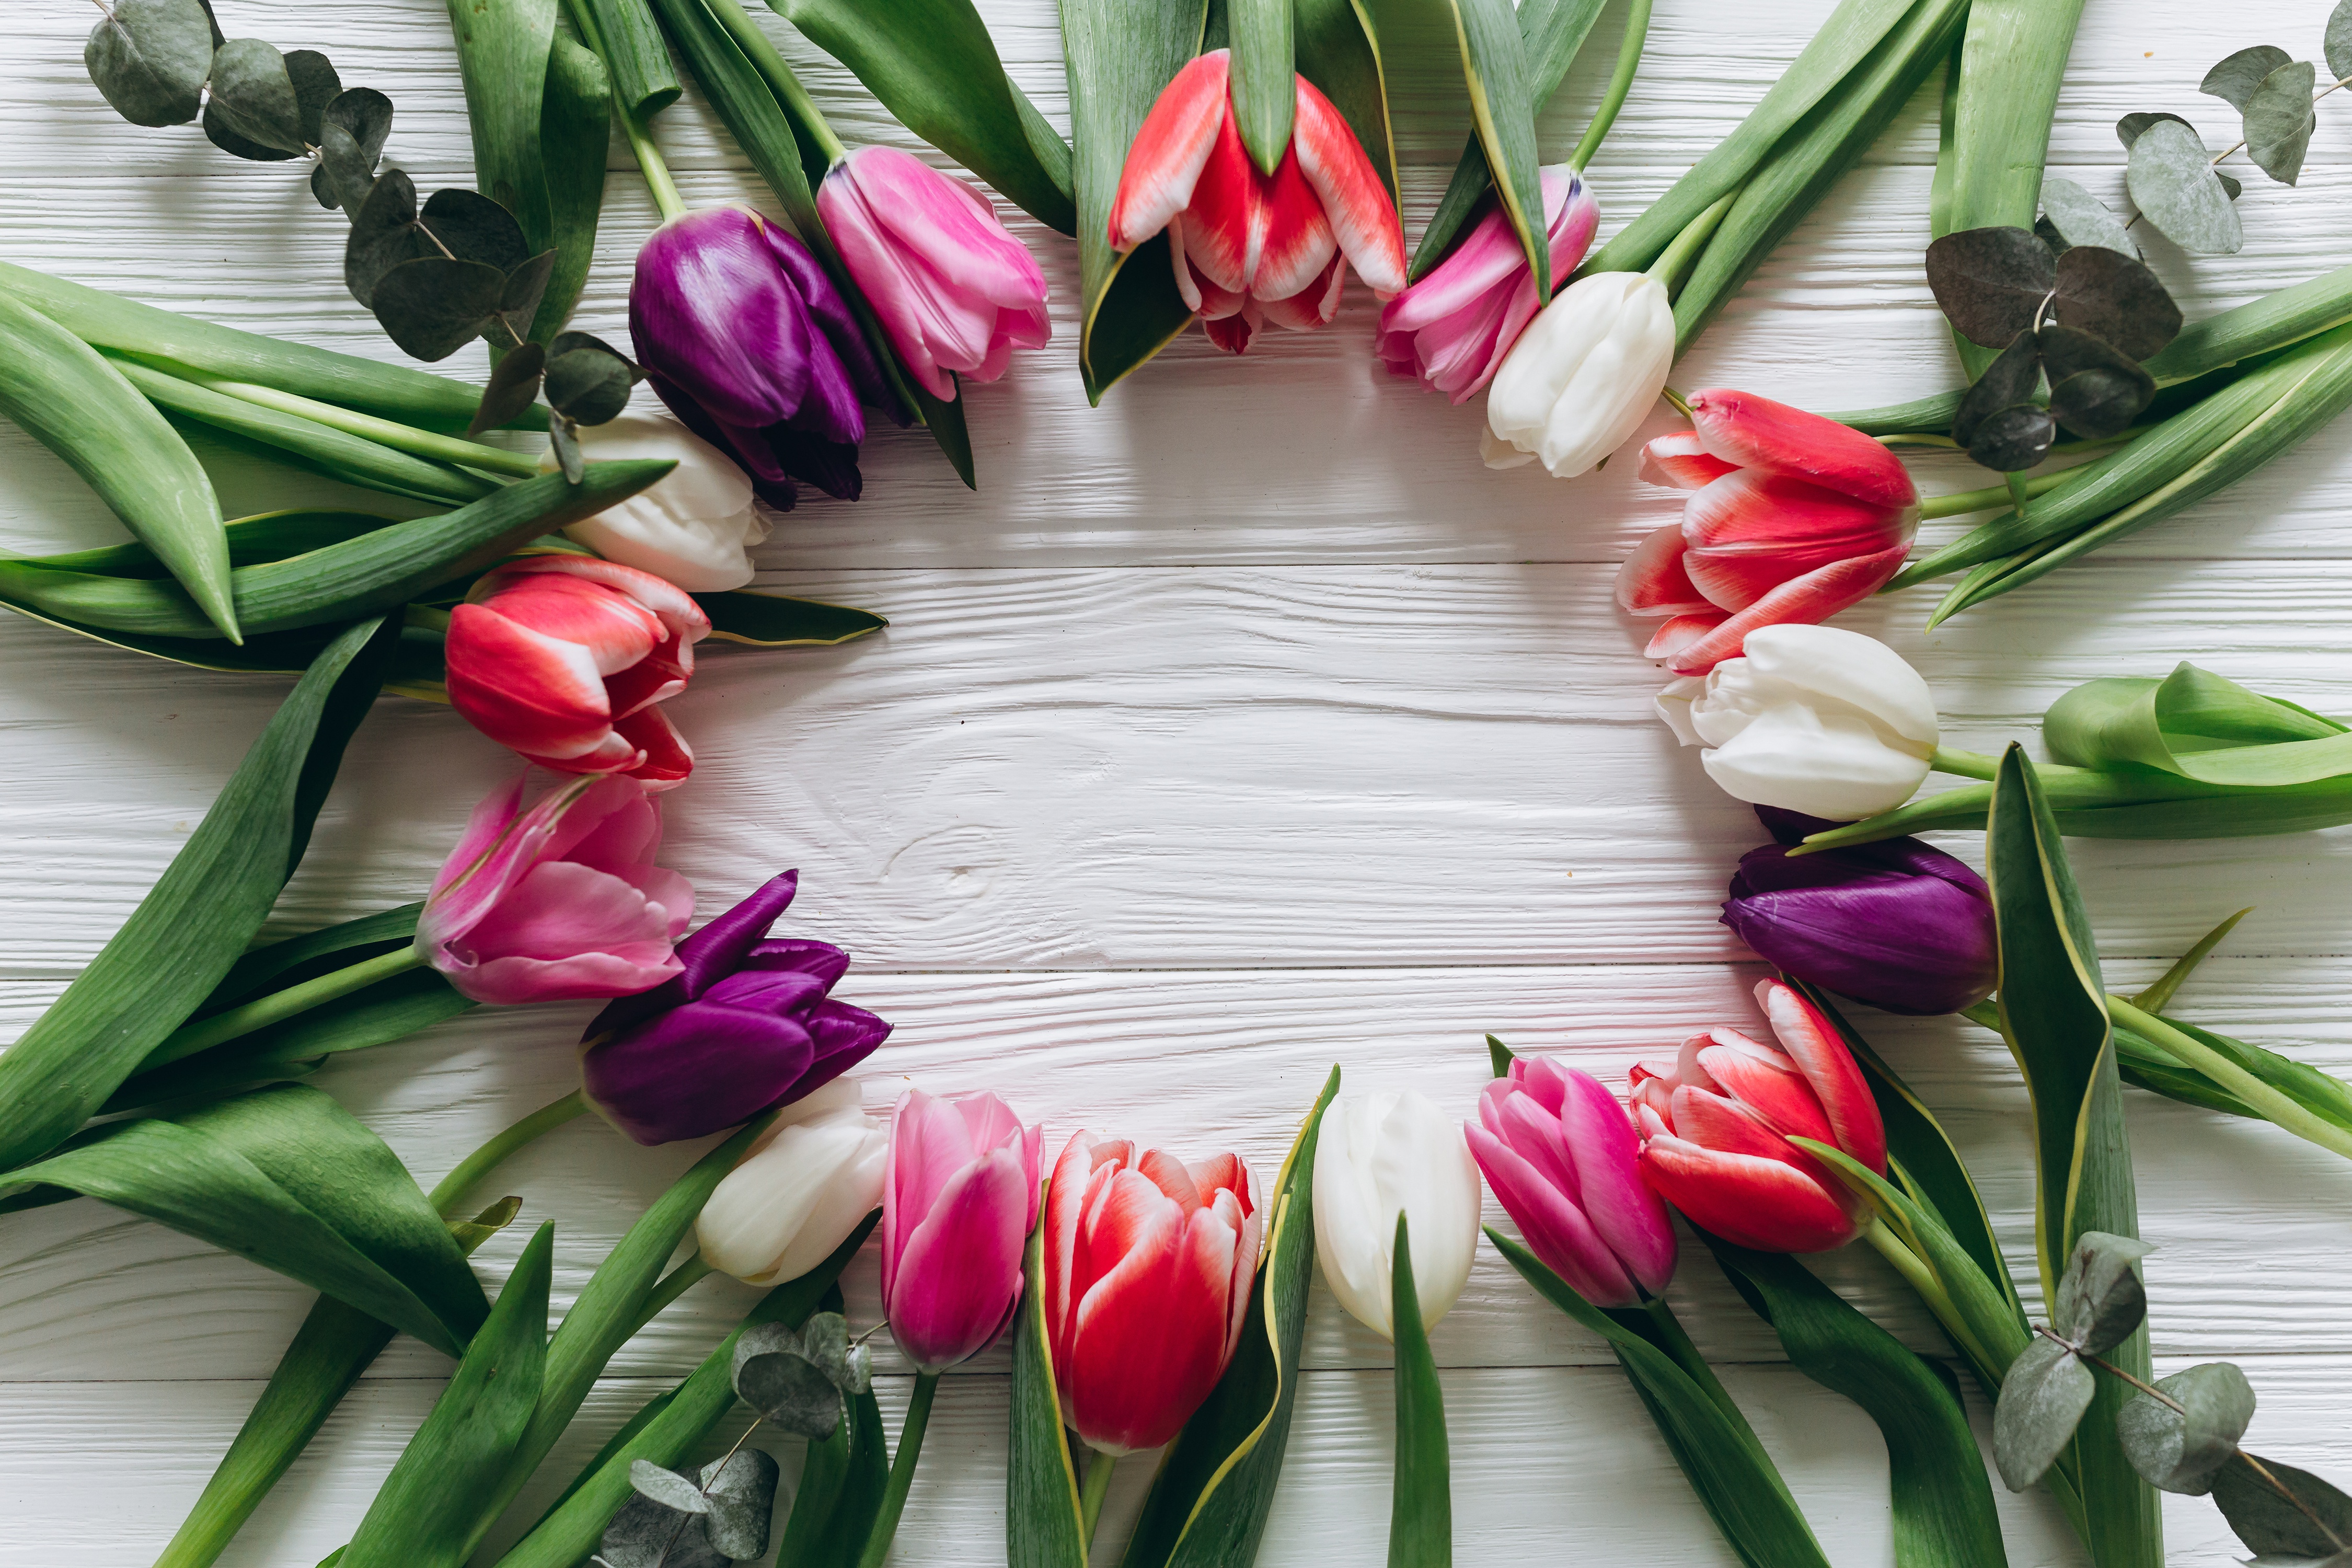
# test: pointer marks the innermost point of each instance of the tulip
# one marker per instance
(1896, 924)
(1792, 518)
(961, 1201)
(1379, 1156)
(1717, 1120)
(1560, 1152)
(1453, 327)
(955, 291)
(693, 529)
(807, 1184)
(1578, 381)
(742, 1025)
(747, 340)
(1810, 719)
(563, 657)
(559, 902)
(1248, 246)
(1148, 1268)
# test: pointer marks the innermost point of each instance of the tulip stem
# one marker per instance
(449, 1198)
(1677, 258)
(1676, 1341)
(1620, 81)
(1920, 1277)
(798, 106)
(1096, 1488)
(902, 1473)
(1967, 764)
(278, 1006)
(673, 1284)
(1961, 502)
(2198, 1057)
(650, 162)
(384, 432)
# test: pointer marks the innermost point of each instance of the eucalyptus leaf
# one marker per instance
(148, 60)
(1990, 282)
(2113, 295)
(2171, 178)
(741, 1491)
(2011, 381)
(344, 174)
(2315, 1520)
(2338, 44)
(666, 1487)
(2095, 390)
(316, 85)
(791, 1392)
(2014, 439)
(2100, 1296)
(513, 386)
(254, 100)
(2183, 1450)
(588, 381)
(433, 306)
(383, 235)
(473, 228)
(518, 300)
(2240, 78)
(2280, 120)
(563, 438)
(2080, 218)
(2128, 127)
(363, 114)
(645, 1534)
(2229, 187)
(2042, 1401)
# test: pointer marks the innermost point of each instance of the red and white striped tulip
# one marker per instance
(1149, 1264)
(1250, 247)
(1791, 518)
(1717, 1120)
(563, 657)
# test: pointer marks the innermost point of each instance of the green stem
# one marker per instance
(1676, 1343)
(902, 1473)
(384, 432)
(642, 147)
(1962, 502)
(1679, 256)
(798, 106)
(1620, 81)
(2019, 492)
(1921, 1277)
(1095, 1488)
(278, 1006)
(673, 1284)
(448, 1197)
(1967, 764)
(1680, 404)
(2195, 1053)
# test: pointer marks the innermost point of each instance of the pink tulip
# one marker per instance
(1149, 1266)
(1560, 1154)
(563, 657)
(1453, 327)
(1248, 246)
(956, 293)
(958, 1203)
(1792, 518)
(1716, 1125)
(559, 902)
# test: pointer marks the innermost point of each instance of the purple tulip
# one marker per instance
(744, 1027)
(747, 340)
(1896, 924)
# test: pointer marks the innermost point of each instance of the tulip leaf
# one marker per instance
(1943, 1506)
(856, 1472)
(771, 620)
(422, 1512)
(1420, 1500)
(2082, 219)
(2195, 725)
(150, 58)
(575, 130)
(933, 65)
(1044, 1525)
(644, 81)
(2172, 180)
(2043, 1403)
(1501, 1056)
(1339, 49)
(2183, 1450)
(1502, 110)
(2100, 1298)
(673, 1423)
(1264, 74)
(2282, 1510)
(1209, 1502)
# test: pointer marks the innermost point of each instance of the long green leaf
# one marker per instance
(1420, 1503)
(1942, 1504)
(502, 50)
(1502, 112)
(1339, 49)
(858, 1499)
(770, 620)
(933, 65)
(575, 130)
(65, 395)
(1263, 97)
(644, 80)
(2053, 1014)
(1044, 1525)
(421, 1514)
(570, 1530)
(1119, 56)
(1209, 1502)
(200, 916)
(265, 536)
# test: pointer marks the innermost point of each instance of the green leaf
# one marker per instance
(1043, 1527)
(668, 1487)
(2339, 45)
(2009, 382)
(742, 1494)
(1420, 1504)
(514, 385)
(2101, 1299)
(434, 305)
(191, 927)
(2280, 1509)
(150, 58)
(254, 101)
(2011, 60)
(857, 1498)
(1501, 1056)
(644, 82)
(2172, 180)
(2280, 120)
(2082, 219)
(2095, 390)
(1502, 110)
(1263, 94)
(1943, 1507)
(353, 130)
(2114, 297)
(2184, 1450)
(1339, 49)
(2241, 77)
(575, 130)
(587, 380)
(2042, 1402)
(2198, 725)
(933, 65)
(771, 620)
(421, 1515)
(1119, 56)
(1209, 1502)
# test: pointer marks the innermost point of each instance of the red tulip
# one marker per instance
(1149, 1264)
(1716, 1125)
(1792, 518)
(563, 657)
(1250, 247)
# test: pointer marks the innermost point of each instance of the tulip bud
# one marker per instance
(744, 1024)
(1895, 924)
(955, 291)
(1715, 1124)
(1810, 719)
(1560, 1152)
(1580, 379)
(957, 1205)
(559, 902)
(1148, 1267)
(1380, 1155)
(808, 1182)
(693, 528)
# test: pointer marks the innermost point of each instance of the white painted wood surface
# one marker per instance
(1242, 725)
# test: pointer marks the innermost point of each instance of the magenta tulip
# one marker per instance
(1560, 1152)
(958, 1203)
(954, 291)
(559, 902)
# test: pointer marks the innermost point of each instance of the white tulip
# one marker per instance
(1379, 1154)
(1810, 719)
(804, 1187)
(1582, 376)
(692, 527)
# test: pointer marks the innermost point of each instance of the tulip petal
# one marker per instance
(1673, 635)
(1359, 214)
(1555, 1229)
(478, 874)
(842, 383)
(1757, 433)
(538, 694)
(694, 1070)
(1313, 306)
(709, 311)
(1163, 164)
(1760, 1204)
(1774, 1088)
(565, 931)
(1843, 1092)
(1631, 1219)
(959, 1276)
(1653, 581)
(1681, 461)
(1147, 1336)
(1749, 532)
(1805, 601)
(1881, 923)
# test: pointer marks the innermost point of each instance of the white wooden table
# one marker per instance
(1242, 725)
